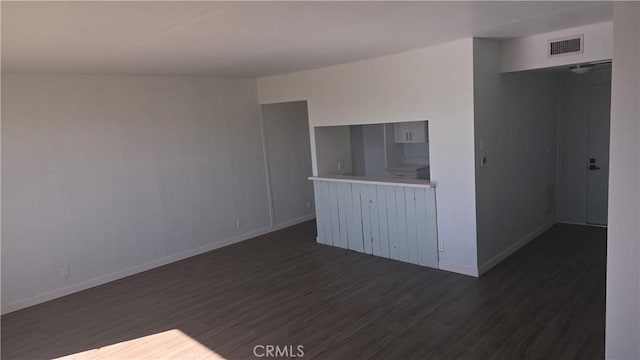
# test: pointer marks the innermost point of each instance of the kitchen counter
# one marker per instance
(390, 218)
(376, 181)
(407, 167)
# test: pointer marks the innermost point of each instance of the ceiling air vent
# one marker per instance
(566, 46)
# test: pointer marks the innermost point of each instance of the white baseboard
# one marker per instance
(572, 222)
(582, 224)
(459, 269)
(103, 279)
(292, 222)
(515, 247)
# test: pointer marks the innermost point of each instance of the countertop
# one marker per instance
(407, 167)
(376, 181)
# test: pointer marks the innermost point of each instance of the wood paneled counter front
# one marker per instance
(391, 218)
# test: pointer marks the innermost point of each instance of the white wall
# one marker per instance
(434, 84)
(531, 52)
(286, 127)
(516, 129)
(111, 175)
(623, 243)
(574, 143)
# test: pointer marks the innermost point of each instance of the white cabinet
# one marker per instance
(408, 158)
(409, 172)
(410, 132)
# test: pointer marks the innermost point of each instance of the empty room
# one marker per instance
(320, 180)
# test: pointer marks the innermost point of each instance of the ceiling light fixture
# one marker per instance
(581, 69)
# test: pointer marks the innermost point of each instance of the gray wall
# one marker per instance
(111, 175)
(286, 127)
(367, 150)
(516, 128)
(358, 153)
(374, 149)
(623, 240)
(573, 143)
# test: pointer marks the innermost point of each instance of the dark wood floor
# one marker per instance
(544, 302)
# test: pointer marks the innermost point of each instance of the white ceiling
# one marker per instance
(255, 38)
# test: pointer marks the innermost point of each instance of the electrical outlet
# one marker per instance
(339, 165)
(239, 223)
(64, 271)
(308, 204)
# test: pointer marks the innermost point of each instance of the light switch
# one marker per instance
(483, 161)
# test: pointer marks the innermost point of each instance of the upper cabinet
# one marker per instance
(410, 132)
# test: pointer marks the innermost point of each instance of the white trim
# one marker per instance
(515, 247)
(571, 222)
(460, 269)
(293, 222)
(582, 224)
(40, 298)
(365, 180)
(267, 170)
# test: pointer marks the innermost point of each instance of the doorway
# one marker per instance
(598, 148)
(584, 118)
(288, 160)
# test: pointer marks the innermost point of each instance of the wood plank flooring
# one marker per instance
(547, 301)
